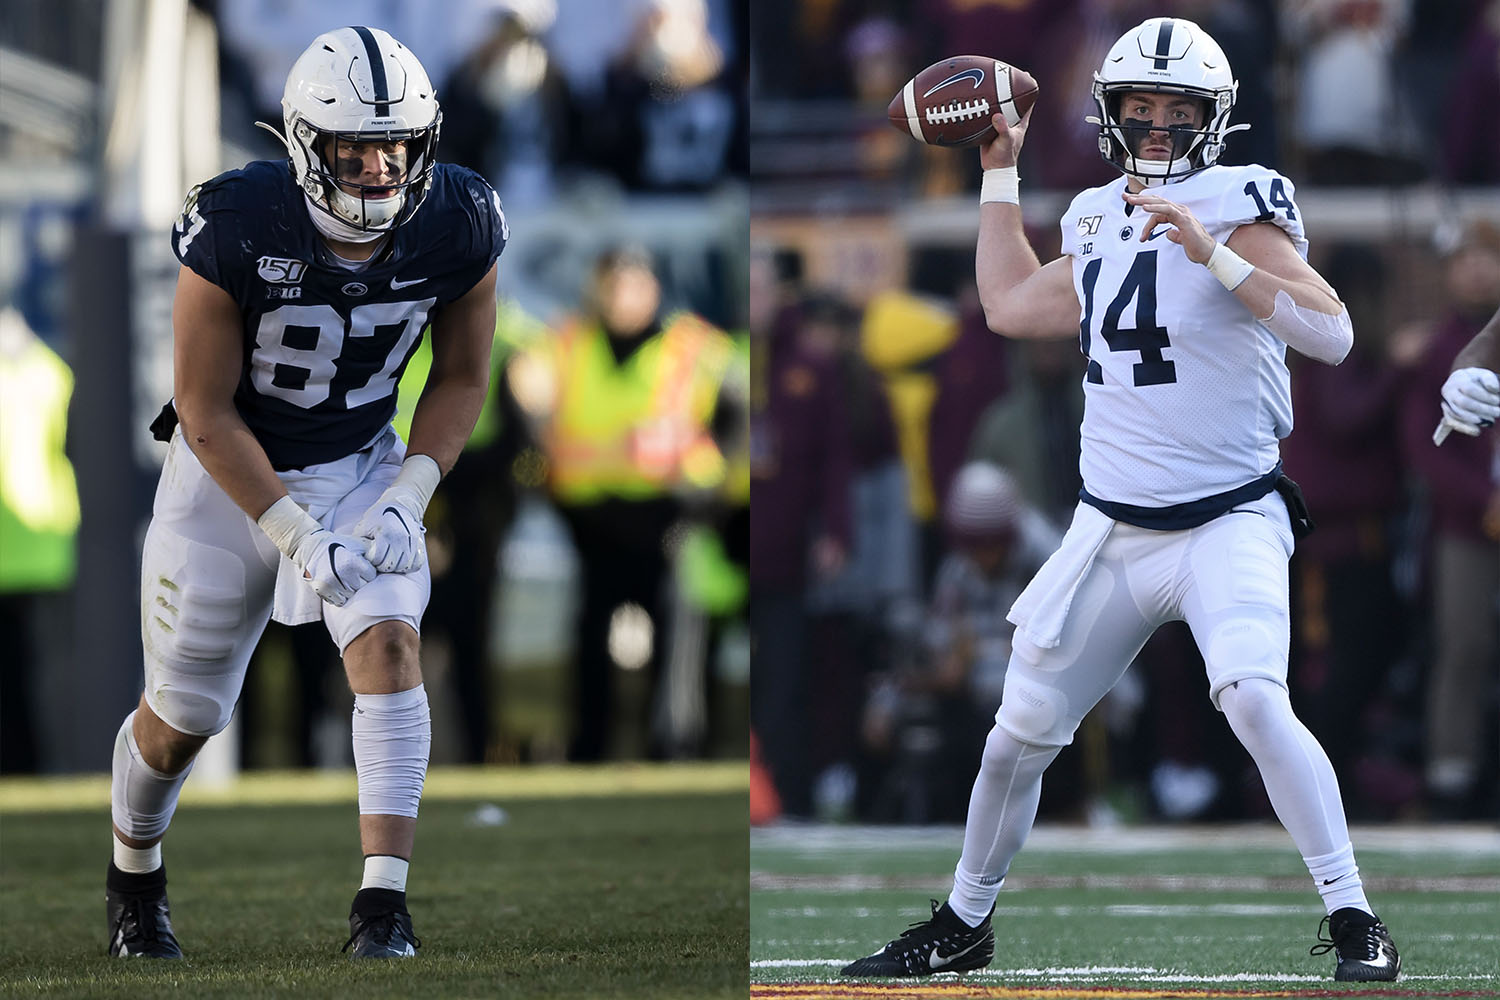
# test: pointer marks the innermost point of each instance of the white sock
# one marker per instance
(136, 860)
(385, 871)
(1002, 809)
(142, 799)
(1300, 783)
(1337, 879)
(392, 740)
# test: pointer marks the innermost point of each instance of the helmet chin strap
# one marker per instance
(1153, 173)
(337, 229)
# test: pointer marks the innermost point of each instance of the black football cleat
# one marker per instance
(379, 926)
(1363, 945)
(140, 923)
(943, 944)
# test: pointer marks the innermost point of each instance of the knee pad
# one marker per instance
(1244, 648)
(1255, 705)
(1035, 713)
(195, 631)
(392, 742)
(390, 597)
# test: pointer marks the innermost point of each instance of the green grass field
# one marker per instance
(1126, 913)
(603, 882)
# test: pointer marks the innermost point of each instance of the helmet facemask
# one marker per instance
(1170, 56)
(339, 181)
(1126, 137)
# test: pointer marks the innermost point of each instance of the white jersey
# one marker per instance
(1186, 394)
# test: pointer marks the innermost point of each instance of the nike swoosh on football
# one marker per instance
(402, 284)
(936, 961)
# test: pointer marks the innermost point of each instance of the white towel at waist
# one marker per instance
(295, 603)
(1040, 611)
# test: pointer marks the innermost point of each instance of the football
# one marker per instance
(950, 102)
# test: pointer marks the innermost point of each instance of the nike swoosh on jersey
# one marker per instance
(395, 285)
(1158, 232)
(936, 961)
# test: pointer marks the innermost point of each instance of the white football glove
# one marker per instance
(392, 527)
(335, 565)
(1471, 400)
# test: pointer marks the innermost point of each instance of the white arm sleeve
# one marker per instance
(1316, 334)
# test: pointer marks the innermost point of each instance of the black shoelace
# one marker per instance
(1366, 934)
(142, 911)
(383, 928)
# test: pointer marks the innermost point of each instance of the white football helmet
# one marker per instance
(360, 86)
(1167, 55)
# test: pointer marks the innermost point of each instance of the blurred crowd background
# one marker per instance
(582, 608)
(910, 470)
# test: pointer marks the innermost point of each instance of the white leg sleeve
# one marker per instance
(142, 799)
(1002, 809)
(1300, 783)
(392, 741)
(1298, 777)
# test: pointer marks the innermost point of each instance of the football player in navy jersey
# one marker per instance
(306, 285)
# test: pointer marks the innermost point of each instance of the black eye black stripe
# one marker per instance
(1163, 44)
(377, 71)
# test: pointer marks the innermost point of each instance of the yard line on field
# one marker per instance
(946, 991)
(766, 882)
(1145, 973)
(815, 839)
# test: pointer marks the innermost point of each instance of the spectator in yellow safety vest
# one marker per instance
(623, 400)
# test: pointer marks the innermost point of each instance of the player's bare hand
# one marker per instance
(1186, 231)
(1003, 150)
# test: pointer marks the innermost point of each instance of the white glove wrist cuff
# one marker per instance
(1229, 267)
(419, 476)
(1000, 184)
(286, 524)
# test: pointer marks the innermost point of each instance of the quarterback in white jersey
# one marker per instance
(1185, 283)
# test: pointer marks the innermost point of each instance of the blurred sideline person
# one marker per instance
(801, 476)
(305, 285)
(1464, 498)
(922, 723)
(624, 399)
(1185, 512)
(38, 533)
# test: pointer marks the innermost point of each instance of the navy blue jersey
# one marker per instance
(325, 346)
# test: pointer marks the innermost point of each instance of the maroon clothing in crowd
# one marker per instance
(1344, 451)
(972, 374)
(1471, 147)
(800, 461)
(1457, 474)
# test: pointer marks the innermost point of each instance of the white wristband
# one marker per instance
(1229, 267)
(420, 475)
(1000, 184)
(286, 524)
